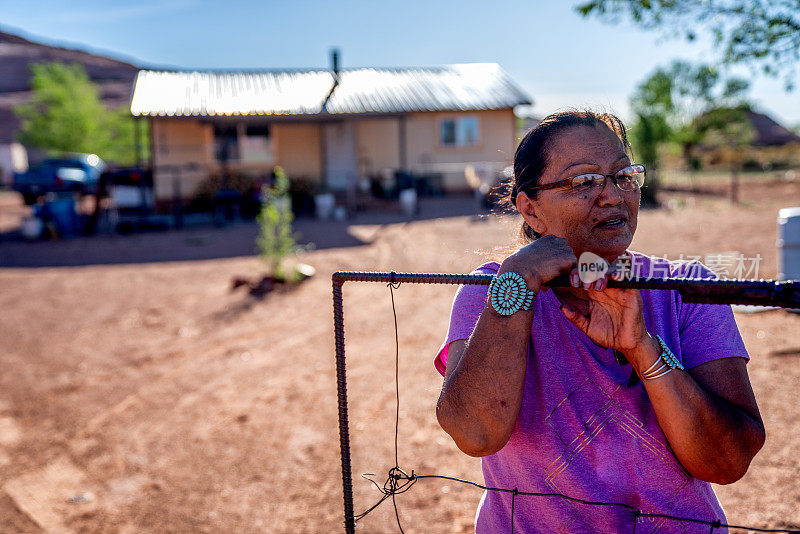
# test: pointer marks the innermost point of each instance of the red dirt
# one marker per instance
(179, 405)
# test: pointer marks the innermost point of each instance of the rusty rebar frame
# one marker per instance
(748, 292)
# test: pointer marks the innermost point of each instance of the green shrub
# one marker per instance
(275, 241)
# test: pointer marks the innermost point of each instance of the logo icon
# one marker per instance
(591, 267)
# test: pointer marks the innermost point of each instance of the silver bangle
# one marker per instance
(652, 374)
(669, 370)
(652, 367)
(667, 359)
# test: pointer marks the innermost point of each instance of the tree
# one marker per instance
(728, 131)
(666, 105)
(653, 105)
(120, 145)
(759, 33)
(65, 114)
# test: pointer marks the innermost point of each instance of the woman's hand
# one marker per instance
(541, 260)
(708, 413)
(614, 320)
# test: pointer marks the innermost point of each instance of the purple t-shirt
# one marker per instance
(583, 432)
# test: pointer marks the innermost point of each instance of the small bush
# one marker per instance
(276, 241)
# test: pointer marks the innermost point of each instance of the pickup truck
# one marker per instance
(73, 173)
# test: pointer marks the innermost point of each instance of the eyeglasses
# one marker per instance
(628, 179)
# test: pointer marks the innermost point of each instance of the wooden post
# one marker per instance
(177, 206)
(403, 149)
(735, 183)
(137, 140)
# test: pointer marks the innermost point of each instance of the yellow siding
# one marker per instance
(495, 147)
(184, 149)
(298, 149)
(378, 145)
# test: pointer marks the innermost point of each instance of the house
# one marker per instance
(744, 137)
(768, 132)
(332, 128)
(13, 156)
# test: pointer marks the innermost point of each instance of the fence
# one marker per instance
(786, 294)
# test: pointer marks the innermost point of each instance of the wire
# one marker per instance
(392, 286)
(393, 488)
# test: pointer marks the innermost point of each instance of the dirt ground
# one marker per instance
(147, 396)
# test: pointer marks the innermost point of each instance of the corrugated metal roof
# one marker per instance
(234, 93)
(368, 90)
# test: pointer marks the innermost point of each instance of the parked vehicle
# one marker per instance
(131, 199)
(76, 173)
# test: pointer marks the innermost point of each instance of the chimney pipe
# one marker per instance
(335, 61)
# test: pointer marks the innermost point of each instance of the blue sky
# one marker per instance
(557, 57)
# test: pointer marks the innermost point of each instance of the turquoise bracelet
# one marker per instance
(508, 293)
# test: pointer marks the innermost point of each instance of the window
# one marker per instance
(243, 143)
(256, 145)
(459, 131)
(448, 132)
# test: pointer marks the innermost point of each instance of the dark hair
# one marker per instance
(531, 157)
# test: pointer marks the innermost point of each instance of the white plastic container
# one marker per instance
(408, 201)
(789, 244)
(323, 205)
(32, 228)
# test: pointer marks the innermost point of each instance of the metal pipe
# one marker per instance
(784, 294)
(341, 386)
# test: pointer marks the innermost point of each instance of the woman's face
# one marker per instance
(602, 221)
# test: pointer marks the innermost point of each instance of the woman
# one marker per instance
(542, 394)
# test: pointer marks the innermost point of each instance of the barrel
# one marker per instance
(789, 244)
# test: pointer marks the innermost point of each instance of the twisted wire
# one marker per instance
(635, 512)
